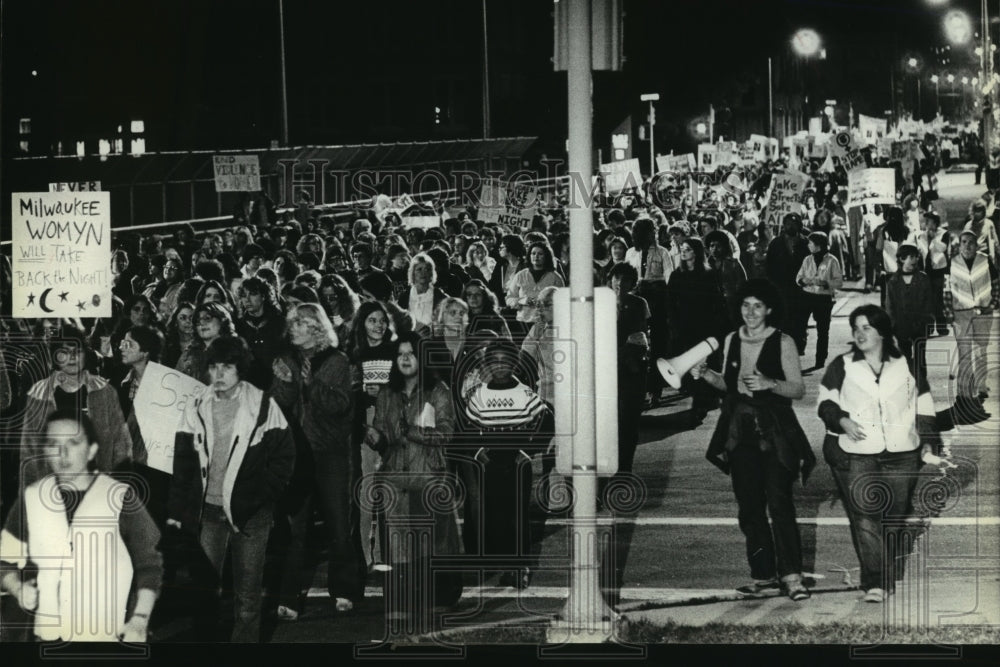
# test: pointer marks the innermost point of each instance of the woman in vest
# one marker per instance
(880, 426)
(971, 295)
(81, 594)
(758, 440)
(935, 245)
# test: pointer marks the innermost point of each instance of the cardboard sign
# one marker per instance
(853, 160)
(760, 145)
(236, 173)
(622, 175)
(706, 156)
(685, 162)
(872, 128)
(785, 197)
(901, 151)
(159, 405)
(774, 148)
(746, 154)
(422, 221)
(81, 186)
(513, 203)
(61, 254)
(871, 186)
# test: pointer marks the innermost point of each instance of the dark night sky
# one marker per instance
(205, 74)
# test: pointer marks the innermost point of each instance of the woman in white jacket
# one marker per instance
(881, 428)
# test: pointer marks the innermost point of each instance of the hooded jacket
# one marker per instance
(260, 461)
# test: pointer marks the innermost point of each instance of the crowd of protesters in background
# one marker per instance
(344, 358)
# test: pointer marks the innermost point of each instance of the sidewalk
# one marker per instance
(948, 600)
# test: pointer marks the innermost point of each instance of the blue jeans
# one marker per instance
(877, 490)
(248, 548)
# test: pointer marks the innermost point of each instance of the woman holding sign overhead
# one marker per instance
(414, 420)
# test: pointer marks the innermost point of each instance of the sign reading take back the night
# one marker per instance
(61, 258)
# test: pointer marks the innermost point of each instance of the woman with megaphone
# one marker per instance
(758, 440)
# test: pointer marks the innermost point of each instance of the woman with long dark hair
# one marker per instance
(696, 306)
(758, 440)
(881, 428)
(522, 295)
(414, 421)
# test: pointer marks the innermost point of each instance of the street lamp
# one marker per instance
(806, 42)
(651, 97)
(957, 27)
(914, 65)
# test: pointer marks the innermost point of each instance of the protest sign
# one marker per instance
(61, 261)
(620, 175)
(872, 128)
(79, 186)
(817, 146)
(853, 160)
(722, 146)
(900, 150)
(422, 221)
(159, 404)
(236, 173)
(884, 147)
(685, 162)
(871, 186)
(746, 154)
(706, 156)
(511, 203)
(773, 148)
(785, 197)
(726, 157)
(760, 145)
(842, 143)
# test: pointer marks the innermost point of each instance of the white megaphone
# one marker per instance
(673, 369)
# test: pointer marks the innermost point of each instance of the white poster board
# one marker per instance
(61, 254)
(706, 156)
(785, 197)
(513, 203)
(685, 162)
(871, 186)
(236, 173)
(159, 405)
(622, 175)
(872, 128)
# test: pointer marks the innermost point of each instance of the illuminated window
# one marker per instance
(103, 147)
(23, 145)
(138, 146)
(138, 127)
(25, 126)
(80, 149)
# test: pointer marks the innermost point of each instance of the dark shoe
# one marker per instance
(760, 587)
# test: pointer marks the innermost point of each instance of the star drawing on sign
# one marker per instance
(31, 299)
(63, 295)
(81, 305)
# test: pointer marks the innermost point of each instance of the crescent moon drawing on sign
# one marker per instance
(41, 300)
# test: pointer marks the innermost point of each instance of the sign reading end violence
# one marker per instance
(236, 173)
(61, 257)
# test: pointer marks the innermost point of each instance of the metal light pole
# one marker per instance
(987, 77)
(486, 79)
(651, 97)
(770, 100)
(284, 85)
(585, 617)
(935, 79)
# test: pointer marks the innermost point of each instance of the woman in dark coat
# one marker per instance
(758, 440)
(696, 307)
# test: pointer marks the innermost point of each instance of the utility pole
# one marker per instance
(486, 78)
(987, 80)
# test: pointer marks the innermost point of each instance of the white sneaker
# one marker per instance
(343, 605)
(874, 595)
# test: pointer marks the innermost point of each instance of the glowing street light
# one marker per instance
(701, 128)
(912, 62)
(934, 78)
(951, 78)
(806, 42)
(957, 27)
(965, 80)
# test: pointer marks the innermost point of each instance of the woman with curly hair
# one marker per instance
(211, 321)
(340, 301)
(262, 326)
(312, 383)
(540, 273)
(213, 292)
